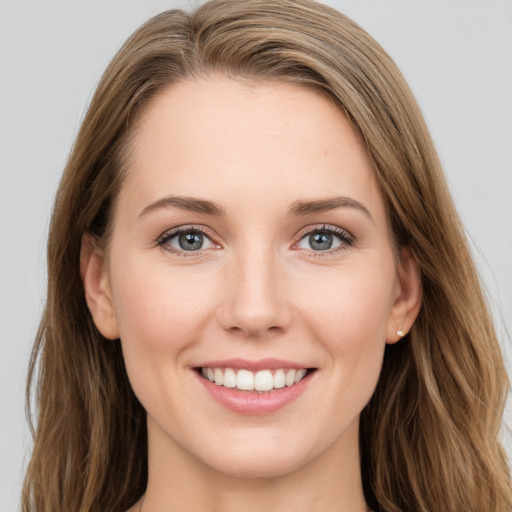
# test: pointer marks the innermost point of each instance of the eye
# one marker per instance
(325, 239)
(186, 240)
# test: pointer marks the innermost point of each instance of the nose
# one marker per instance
(255, 303)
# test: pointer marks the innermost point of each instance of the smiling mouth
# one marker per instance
(263, 381)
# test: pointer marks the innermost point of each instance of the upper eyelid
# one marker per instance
(324, 227)
(170, 233)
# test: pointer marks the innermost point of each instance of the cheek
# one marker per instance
(161, 314)
(353, 304)
(158, 309)
(348, 316)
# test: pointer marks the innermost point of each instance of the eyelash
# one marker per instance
(346, 239)
(169, 235)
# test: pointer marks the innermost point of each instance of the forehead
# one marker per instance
(225, 140)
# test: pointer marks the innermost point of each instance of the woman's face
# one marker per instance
(250, 243)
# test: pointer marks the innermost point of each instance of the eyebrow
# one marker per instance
(190, 204)
(330, 203)
(298, 208)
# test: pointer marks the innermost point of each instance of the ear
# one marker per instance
(408, 299)
(96, 283)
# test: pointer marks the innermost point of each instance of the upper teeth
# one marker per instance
(246, 380)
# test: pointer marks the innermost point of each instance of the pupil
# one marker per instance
(320, 241)
(190, 241)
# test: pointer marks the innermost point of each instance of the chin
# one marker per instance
(258, 460)
(257, 466)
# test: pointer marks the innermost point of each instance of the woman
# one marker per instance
(254, 225)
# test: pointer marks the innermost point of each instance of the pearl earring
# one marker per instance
(400, 333)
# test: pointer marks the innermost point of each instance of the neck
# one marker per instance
(178, 481)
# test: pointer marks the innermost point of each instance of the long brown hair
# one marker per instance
(429, 437)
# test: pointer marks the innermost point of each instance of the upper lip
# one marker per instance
(260, 364)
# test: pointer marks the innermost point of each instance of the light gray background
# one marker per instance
(457, 56)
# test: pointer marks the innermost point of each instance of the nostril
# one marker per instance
(253, 311)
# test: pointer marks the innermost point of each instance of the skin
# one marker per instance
(256, 289)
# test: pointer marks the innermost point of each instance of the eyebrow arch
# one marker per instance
(185, 203)
(330, 203)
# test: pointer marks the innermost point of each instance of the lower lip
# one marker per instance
(252, 402)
